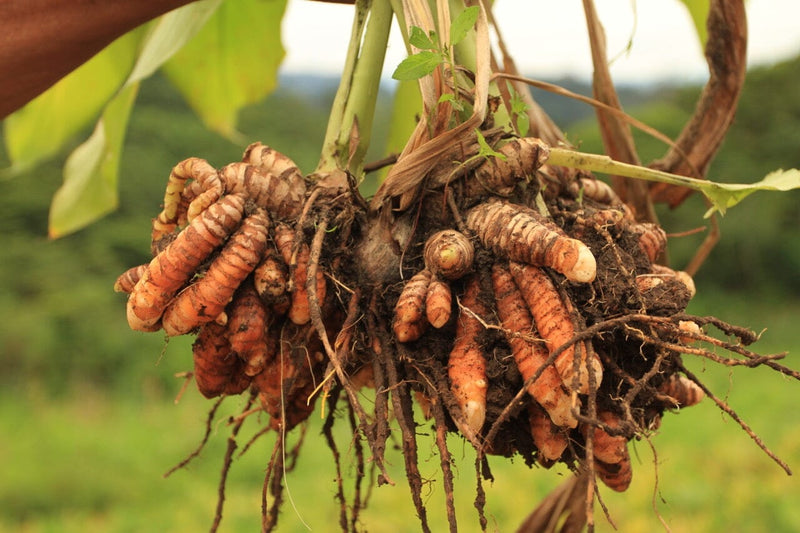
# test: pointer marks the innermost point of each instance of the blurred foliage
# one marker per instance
(759, 250)
(63, 326)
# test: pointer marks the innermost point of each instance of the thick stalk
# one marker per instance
(327, 160)
(604, 164)
(350, 124)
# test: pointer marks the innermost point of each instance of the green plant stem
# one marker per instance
(350, 123)
(721, 195)
(327, 160)
(604, 164)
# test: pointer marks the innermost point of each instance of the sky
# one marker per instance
(547, 38)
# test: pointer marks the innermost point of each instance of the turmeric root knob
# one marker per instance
(522, 234)
(409, 322)
(128, 279)
(300, 306)
(217, 370)
(610, 449)
(683, 391)
(520, 159)
(438, 303)
(247, 329)
(449, 254)
(549, 439)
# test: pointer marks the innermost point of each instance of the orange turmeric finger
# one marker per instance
(279, 197)
(652, 239)
(128, 279)
(521, 234)
(169, 271)
(192, 168)
(217, 370)
(438, 303)
(272, 161)
(610, 449)
(299, 309)
(616, 476)
(529, 354)
(682, 390)
(466, 365)
(549, 439)
(247, 329)
(409, 323)
(205, 299)
(553, 320)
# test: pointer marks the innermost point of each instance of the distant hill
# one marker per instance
(564, 111)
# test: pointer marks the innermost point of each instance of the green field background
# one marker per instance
(89, 425)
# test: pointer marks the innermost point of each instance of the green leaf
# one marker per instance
(90, 173)
(42, 128)
(698, 9)
(417, 65)
(419, 39)
(519, 110)
(725, 195)
(236, 55)
(450, 97)
(485, 150)
(168, 34)
(462, 24)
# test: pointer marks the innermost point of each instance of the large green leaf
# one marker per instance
(232, 62)
(168, 34)
(698, 9)
(40, 129)
(90, 173)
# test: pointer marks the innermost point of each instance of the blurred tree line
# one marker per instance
(63, 326)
